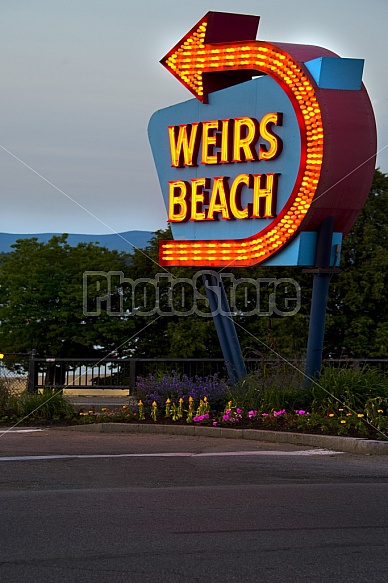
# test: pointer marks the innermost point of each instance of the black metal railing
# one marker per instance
(121, 373)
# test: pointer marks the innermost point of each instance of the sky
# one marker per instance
(81, 79)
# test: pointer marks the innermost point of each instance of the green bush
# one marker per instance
(349, 387)
(50, 405)
(272, 389)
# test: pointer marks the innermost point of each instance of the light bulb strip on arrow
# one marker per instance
(189, 61)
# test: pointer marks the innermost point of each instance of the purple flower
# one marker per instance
(238, 410)
(225, 418)
(177, 385)
(252, 414)
(264, 414)
(214, 423)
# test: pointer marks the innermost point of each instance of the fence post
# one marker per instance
(132, 374)
(32, 373)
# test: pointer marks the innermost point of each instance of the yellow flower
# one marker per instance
(181, 400)
(125, 407)
(103, 408)
(360, 415)
(191, 399)
(348, 414)
(205, 399)
(168, 400)
(380, 411)
(140, 403)
(154, 404)
(331, 414)
(340, 409)
(343, 421)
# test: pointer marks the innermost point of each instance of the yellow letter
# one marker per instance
(177, 199)
(184, 149)
(235, 192)
(243, 150)
(209, 141)
(275, 143)
(218, 200)
(198, 196)
(225, 142)
(267, 193)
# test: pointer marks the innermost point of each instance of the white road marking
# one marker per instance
(22, 430)
(307, 452)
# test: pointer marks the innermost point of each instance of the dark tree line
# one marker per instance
(47, 303)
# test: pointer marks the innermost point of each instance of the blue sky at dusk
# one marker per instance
(81, 79)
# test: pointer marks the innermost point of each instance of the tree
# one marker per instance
(48, 305)
(357, 317)
(357, 321)
(172, 334)
(195, 335)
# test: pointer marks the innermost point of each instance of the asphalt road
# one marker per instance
(79, 507)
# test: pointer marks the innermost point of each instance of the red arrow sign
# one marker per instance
(220, 51)
(212, 55)
(203, 67)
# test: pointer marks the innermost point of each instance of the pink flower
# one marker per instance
(198, 418)
(252, 414)
(214, 423)
(238, 410)
(225, 418)
(277, 413)
(264, 414)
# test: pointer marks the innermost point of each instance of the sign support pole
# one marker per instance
(322, 275)
(225, 327)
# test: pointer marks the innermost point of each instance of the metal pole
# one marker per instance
(322, 275)
(32, 373)
(225, 327)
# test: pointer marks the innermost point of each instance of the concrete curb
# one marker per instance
(347, 444)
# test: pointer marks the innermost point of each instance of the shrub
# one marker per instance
(50, 405)
(349, 387)
(271, 389)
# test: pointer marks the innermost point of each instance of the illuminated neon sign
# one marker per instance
(251, 163)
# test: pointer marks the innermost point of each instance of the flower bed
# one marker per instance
(341, 422)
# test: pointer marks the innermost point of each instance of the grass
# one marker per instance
(49, 406)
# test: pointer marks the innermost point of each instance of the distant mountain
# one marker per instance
(120, 241)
